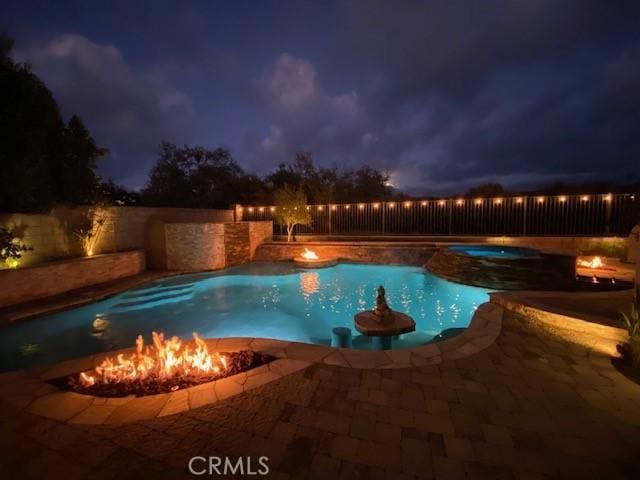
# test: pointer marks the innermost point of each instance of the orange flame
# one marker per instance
(309, 254)
(596, 262)
(165, 359)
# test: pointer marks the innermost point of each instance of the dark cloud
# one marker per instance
(128, 110)
(442, 94)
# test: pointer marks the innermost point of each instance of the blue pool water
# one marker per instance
(271, 300)
(495, 251)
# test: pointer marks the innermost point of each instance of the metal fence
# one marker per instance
(610, 214)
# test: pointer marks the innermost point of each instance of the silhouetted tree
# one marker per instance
(197, 177)
(487, 190)
(43, 160)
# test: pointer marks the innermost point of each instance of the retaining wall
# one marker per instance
(30, 283)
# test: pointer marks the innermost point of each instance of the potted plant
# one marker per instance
(631, 350)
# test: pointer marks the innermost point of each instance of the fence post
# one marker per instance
(330, 208)
(450, 211)
(384, 215)
(525, 203)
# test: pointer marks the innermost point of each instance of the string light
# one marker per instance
(441, 203)
(607, 198)
(407, 204)
(319, 208)
(347, 207)
(562, 199)
(584, 198)
(519, 200)
(391, 204)
(376, 205)
(273, 209)
(361, 206)
(497, 201)
(251, 209)
(478, 201)
(261, 209)
(333, 207)
(423, 203)
(540, 199)
(459, 201)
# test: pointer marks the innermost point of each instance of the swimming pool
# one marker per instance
(270, 300)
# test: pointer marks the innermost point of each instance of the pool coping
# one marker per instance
(28, 390)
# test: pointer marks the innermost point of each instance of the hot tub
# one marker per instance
(504, 268)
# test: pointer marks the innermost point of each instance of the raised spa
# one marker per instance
(269, 300)
(504, 268)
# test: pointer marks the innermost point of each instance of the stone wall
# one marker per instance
(582, 245)
(30, 283)
(126, 228)
(209, 246)
(194, 246)
(389, 253)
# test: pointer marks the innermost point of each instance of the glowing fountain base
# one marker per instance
(314, 263)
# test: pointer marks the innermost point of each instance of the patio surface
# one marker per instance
(529, 406)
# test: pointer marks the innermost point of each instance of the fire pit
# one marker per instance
(309, 259)
(607, 273)
(166, 366)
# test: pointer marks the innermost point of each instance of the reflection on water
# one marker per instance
(309, 283)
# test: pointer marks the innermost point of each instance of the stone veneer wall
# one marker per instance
(209, 246)
(125, 228)
(389, 253)
(30, 283)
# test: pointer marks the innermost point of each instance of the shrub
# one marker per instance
(11, 249)
(90, 228)
(632, 322)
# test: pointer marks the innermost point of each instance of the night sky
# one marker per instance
(441, 94)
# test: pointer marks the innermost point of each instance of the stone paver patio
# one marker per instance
(529, 406)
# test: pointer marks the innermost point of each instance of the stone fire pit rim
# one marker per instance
(28, 389)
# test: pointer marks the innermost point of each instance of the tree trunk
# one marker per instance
(289, 232)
